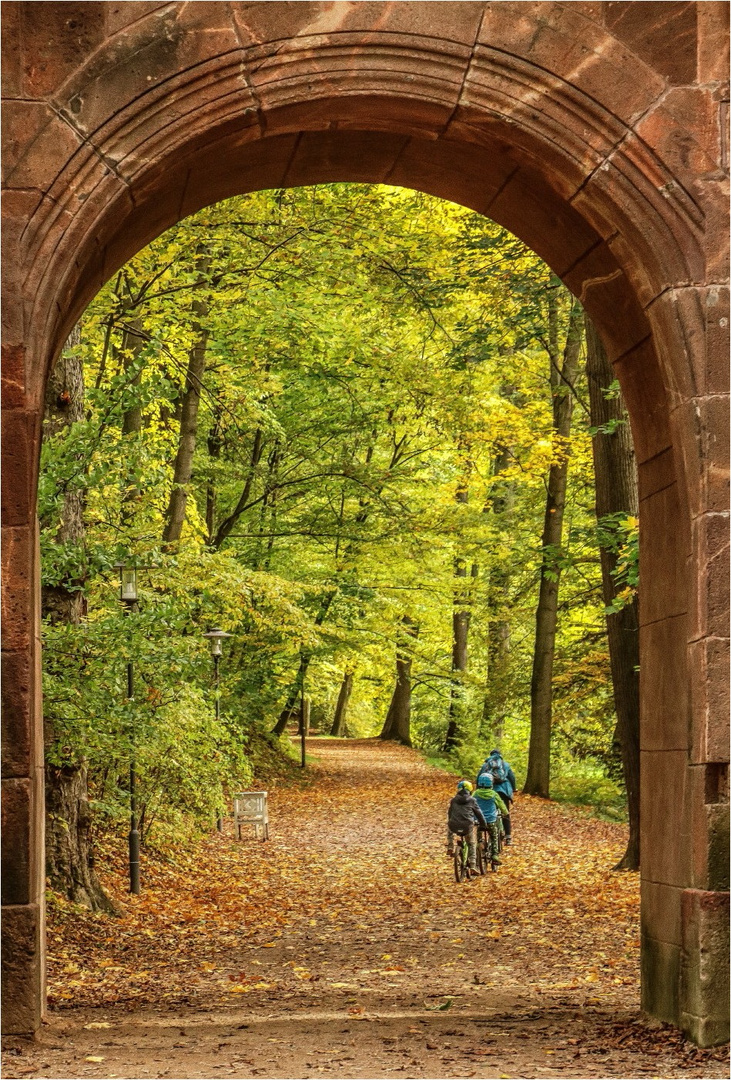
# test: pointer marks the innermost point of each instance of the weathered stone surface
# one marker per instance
(559, 37)
(547, 224)
(710, 600)
(37, 142)
(660, 912)
(713, 42)
(54, 38)
(701, 427)
(466, 173)
(595, 131)
(659, 977)
(666, 718)
(656, 473)
(17, 841)
(19, 443)
(708, 665)
(664, 36)
(718, 846)
(16, 715)
(22, 969)
(700, 317)
(663, 558)
(643, 390)
(18, 615)
(450, 22)
(666, 843)
(704, 974)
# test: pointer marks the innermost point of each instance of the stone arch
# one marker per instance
(573, 125)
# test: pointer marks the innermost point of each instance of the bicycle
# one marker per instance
(461, 859)
(484, 848)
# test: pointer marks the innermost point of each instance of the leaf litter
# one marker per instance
(350, 911)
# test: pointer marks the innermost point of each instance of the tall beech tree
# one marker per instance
(397, 725)
(615, 473)
(183, 467)
(564, 369)
(341, 708)
(69, 852)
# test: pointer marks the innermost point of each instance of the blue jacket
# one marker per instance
(504, 787)
(490, 803)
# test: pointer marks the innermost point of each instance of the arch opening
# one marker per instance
(559, 151)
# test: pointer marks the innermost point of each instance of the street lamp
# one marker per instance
(128, 596)
(216, 636)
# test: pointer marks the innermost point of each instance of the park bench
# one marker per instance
(250, 808)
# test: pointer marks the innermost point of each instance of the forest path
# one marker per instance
(333, 949)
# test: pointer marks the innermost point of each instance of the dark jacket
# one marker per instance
(464, 813)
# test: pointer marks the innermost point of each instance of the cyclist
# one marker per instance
(491, 804)
(504, 782)
(463, 817)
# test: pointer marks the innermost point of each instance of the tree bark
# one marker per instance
(214, 444)
(498, 645)
(616, 492)
(183, 469)
(397, 726)
(228, 523)
(461, 615)
(295, 690)
(69, 858)
(537, 780)
(341, 708)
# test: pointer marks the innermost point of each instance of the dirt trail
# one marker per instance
(344, 948)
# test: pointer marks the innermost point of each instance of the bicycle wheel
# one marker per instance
(482, 855)
(460, 862)
(500, 835)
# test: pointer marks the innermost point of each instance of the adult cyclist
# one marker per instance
(504, 782)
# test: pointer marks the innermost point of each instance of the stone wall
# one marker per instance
(594, 131)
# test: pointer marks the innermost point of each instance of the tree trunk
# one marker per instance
(214, 443)
(461, 615)
(243, 503)
(616, 492)
(537, 780)
(295, 690)
(346, 687)
(183, 470)
(69, 859)
(495, 701)
(397, 726)
(69, 852)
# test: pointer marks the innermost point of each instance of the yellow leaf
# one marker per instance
(92, 1057)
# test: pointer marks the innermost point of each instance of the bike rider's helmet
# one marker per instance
(464, 785)
(484, 780)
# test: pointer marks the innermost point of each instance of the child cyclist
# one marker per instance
(463, 818)
(491, 804)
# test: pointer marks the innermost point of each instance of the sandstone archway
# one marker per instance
(594, 131)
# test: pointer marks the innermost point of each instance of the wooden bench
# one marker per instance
(250, 808)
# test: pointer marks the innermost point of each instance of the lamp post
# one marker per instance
(216, 636)
(128, 596)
